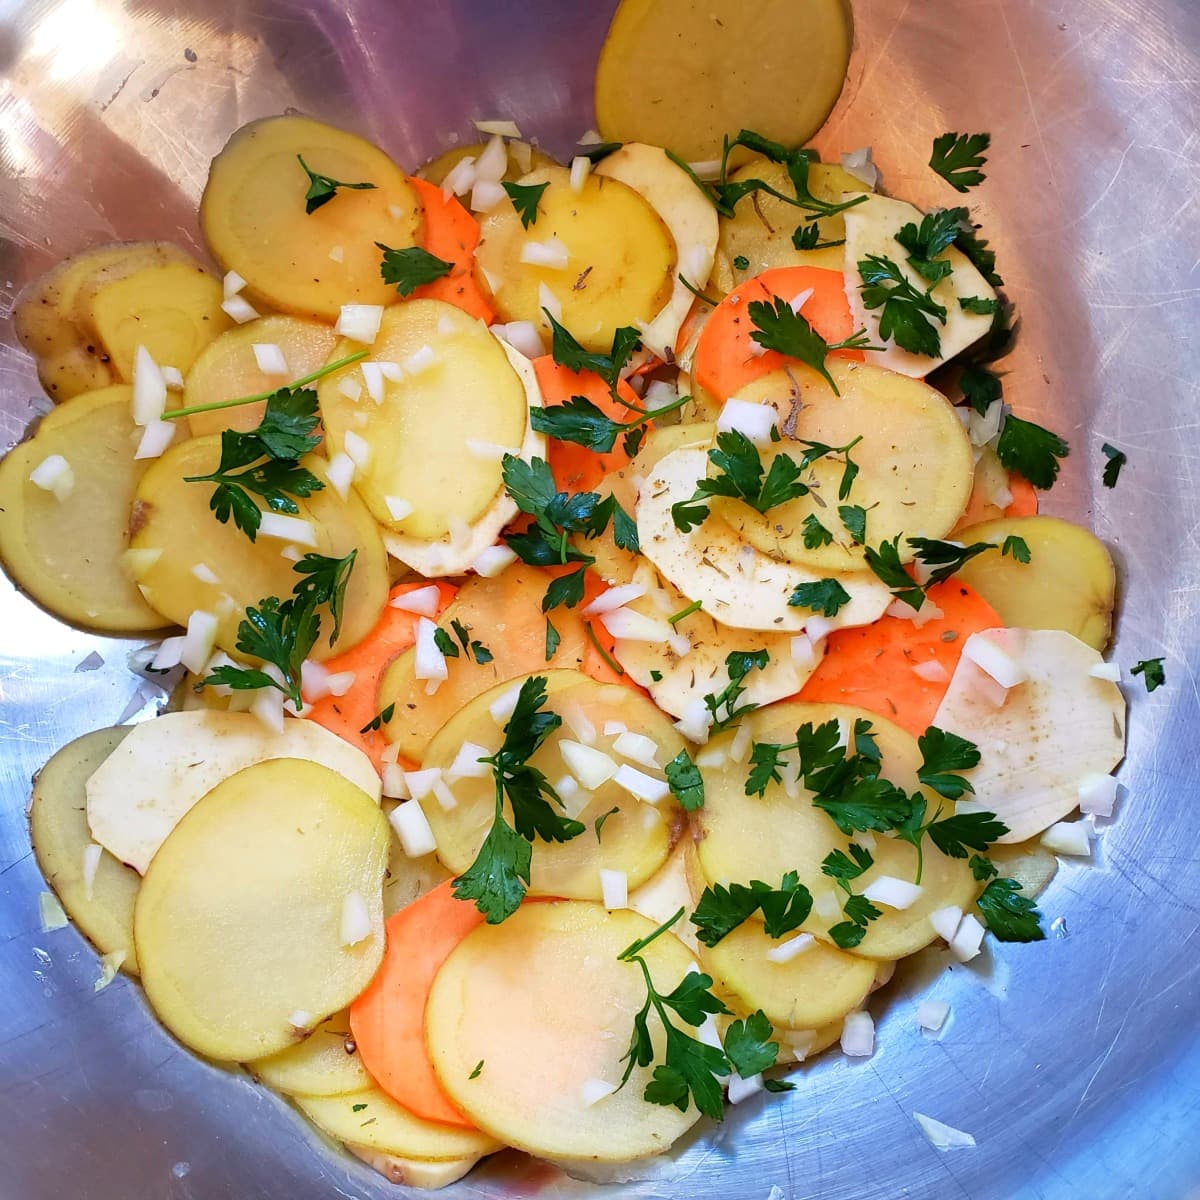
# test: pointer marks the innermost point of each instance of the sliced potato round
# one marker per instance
(761, 229)
(1029, 863)
(325, 1063)
(58, 825)
(174, 527)
(680, 73)
(227, 369)
(620, 258)
(238, 923)
(415, 454)
(158, 773)
(1041, 738)
(549, 977)
(691, 220)
(427, 1174)
(376, 1122)
(736, 584)
(1069, 582)
(637, 837)
(69, 554)
(254, 219)
(521, 156)
(914, 460)
(750, 837)
(820, 985)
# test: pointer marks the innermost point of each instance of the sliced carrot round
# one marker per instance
(1024, 501)
(726, 355)
(388, 1019)
(452, 234)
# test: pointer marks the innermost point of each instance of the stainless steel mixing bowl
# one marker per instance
(1073, 1062)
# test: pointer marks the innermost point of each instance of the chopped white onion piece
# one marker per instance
(931, 671)
(943, 1137)
(592, 1091)
(638, 783)
(739, 748)
(420, 783)
(1097, 795)
(590, 138)
(637, 747)
(494, 561)
(340, 682)
(270, 358)
(421, 359)
(173, 378)
(485, 194)
(632, 626)
(895, 893)
(712, 757)
(551, 253)
(301, 1019)
(314, 681)
(969, 938)
(522, 336)
(398, 508)
(287, 529)
(168, 654)
(918, 616)
(357, 448)
(581, 165)
(356, 921)
(945, 921)
(267, 706)
(502, 707)
(817, 628)
(460, 179)
(110, 964)
(492, 164)
(800, 299)
(149, 388)
(1068, 837)
(566, 788)
(613, 728)
(51, 912)
(858, 1035)
(337, 254)
(443, 795)
(54, 474)
(932, 1014)
(501, 128)
(786, 951)
(614, 889)
(466, 764)
(232, 284)
(548, 301)
(706, 1032)
(1006, 670)
(156, 437)
(359, 322)
(707, 168)
(756, 421)
(1106, 670)
(614, 598)
(590, 766)
(350, 388)
(239, 309)
(695, 722)
(395, 786)
(826, 905)
(858, 163)
(429, 662)
(339, 474)
(91, 862)
(393, 372)
(578, 722)
(742, 1089)
(199, 640)
(490, 451)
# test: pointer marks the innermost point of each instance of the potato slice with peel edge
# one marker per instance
(636, 838)
(1069, 582)
(254, 220)
(165, 766)
(227, 369)
(1039, 740)
(522, 157)
(737, 585)
(743, 838)
(419, 437)
(426, 1174)
(820, 985)
(68, 554)
(620, 258)
(457, 553)
(1029, 863)
(238, 923)
(914, 461)
(325, 1063)
(691, 220)
(60, 834)
(376, 1122)
(549, 977)
(173, 523)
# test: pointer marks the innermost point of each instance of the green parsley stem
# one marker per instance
(698, 293)
(920, 859)
(312, 377)
(675, 618)
(604, 654)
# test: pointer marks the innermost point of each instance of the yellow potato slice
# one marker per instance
(820, 985)
(681, 73)
(171, 519)
(691, 220)
(149, 783)
(253, 216)
(325, 1063)
(636, 838)
(447, 470)
(238, 923)
(1029, 863)
(59, 830)
(374, 1121)
(621, 260)
(750, 837)
(522, 158)
(69, 554)
(762, 226)
(481, 605)
(915, 462)
(1069, 582)
(428, 1175)
(549, 978)
(227, 369)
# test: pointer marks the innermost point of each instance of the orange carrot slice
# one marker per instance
(872, 666)
(1024, 497)
(388, 1019)
(394, 632)
(452, 234)
(725, 354)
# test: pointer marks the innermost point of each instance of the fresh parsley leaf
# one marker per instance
(1112, 468)
(982, 257)
(766, 758)
(957, 158)
(908, 313)
(1152, 671)
(498, 877)
(777, 326)
(843, 869)
(625, 533)
(323, 580)
(721, 909)
(808, 237)
(953, 836)
(980, 387)
(748, 1045)
(927, 241)
(982, 868)
(600, 151)
(357, 1107)
(846, 934)
(868, 803)
(723, 705)
(686, 782)
(942, 755)
(445, 643)
(411, 267)
(865, 741)
(1017, 548)
(1031, 451)
(567, 352)
(525, 198)
(323, 188)
(553, 637)
(1009, 915)
(885, 563)
(946, 558)
(980, 306)
(288, 426)
(815, 534)
(566, 589)
(380, 719)
(826, 596)
(820, 748)
(478, 1068)
(580, 421)
(854, 518)
(598, 824)
(740, 262)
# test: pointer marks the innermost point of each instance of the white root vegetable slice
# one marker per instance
(427, 1174)
(550, 978)
(325, 1063)
(238, 921)
(736, 584)
(667, 891)
(1051, 732)
(142, 791)
(59, 830)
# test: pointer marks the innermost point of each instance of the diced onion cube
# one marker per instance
(638, 783)
(199, 640)
(945, 921)
(943, 1137)
(500, 128)
(591, 767)
(756, 421)
(581, 165)
(932, 1014)
(357, 448)
(288, 529)
(712, 758)
(1106, 670)
(267, 706)
(156, 437)
(786, 951)
(592, 1091)
(270, 358)
(460, 179)
(51, 912)
(466, 764)
(232, 284)
(173, 378)
(931, 671)
(800, 299)
(817, 628)
(485, 194)
(612, 728)
(502, 707)
(614, 598)
(359, 322)
(490, 451)
(920, 617)
(614, 888)
(1097, 795)
(492, 164)
(895, 893)
(54, 474)
(340, 682)
(395, 786)
(637, 747)
(548, 301)
(1068, 837)
(969, 938)
(858, 1035)
(742, 1089)
(1006, 670)
(706, 1031)
(91, 862)
(826, 906)
(350, 388)
(413, 829)
(551, 253)
(110, 964)
(629, 625)
(356, 921)
(340, 473)
(398, 507)
(420, 783)
(149, 388)
(522, 336)
(301, 1019)
(739, 748)
(804, 657)
(168, 654)
(695, 722)
(420, 360)
(443, 795)
(578, 722)
(372, 373)
(337, 254)
(239, 309)
(858, 163)
(429, 662)
(494, 561)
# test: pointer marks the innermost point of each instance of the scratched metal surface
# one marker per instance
(1074, 1062)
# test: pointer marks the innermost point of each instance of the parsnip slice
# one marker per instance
(636, 838)
(325, 1063)
(691, 220)
(1046, 736)
(145, 787)
(253, 216)
(543, 1000)
(871, 228)
(239, 919)
(737, 585)
(620, 258)
(426, 1174)
(68, 554)
(667, 891)
(58, 827)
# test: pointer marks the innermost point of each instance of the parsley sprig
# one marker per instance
(777, 326)
(909, 314)
(567, 352)
(723, 706)
(843, 869)
(1112, 469)
(957, 158)
(323, 188)
(473, 648)
(525, 198)
(927, 241)
(1009, 915)
(1152, 671)
(411, 267)
(824, 596)
(685, 781)
(721, 909)
(582, 422)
